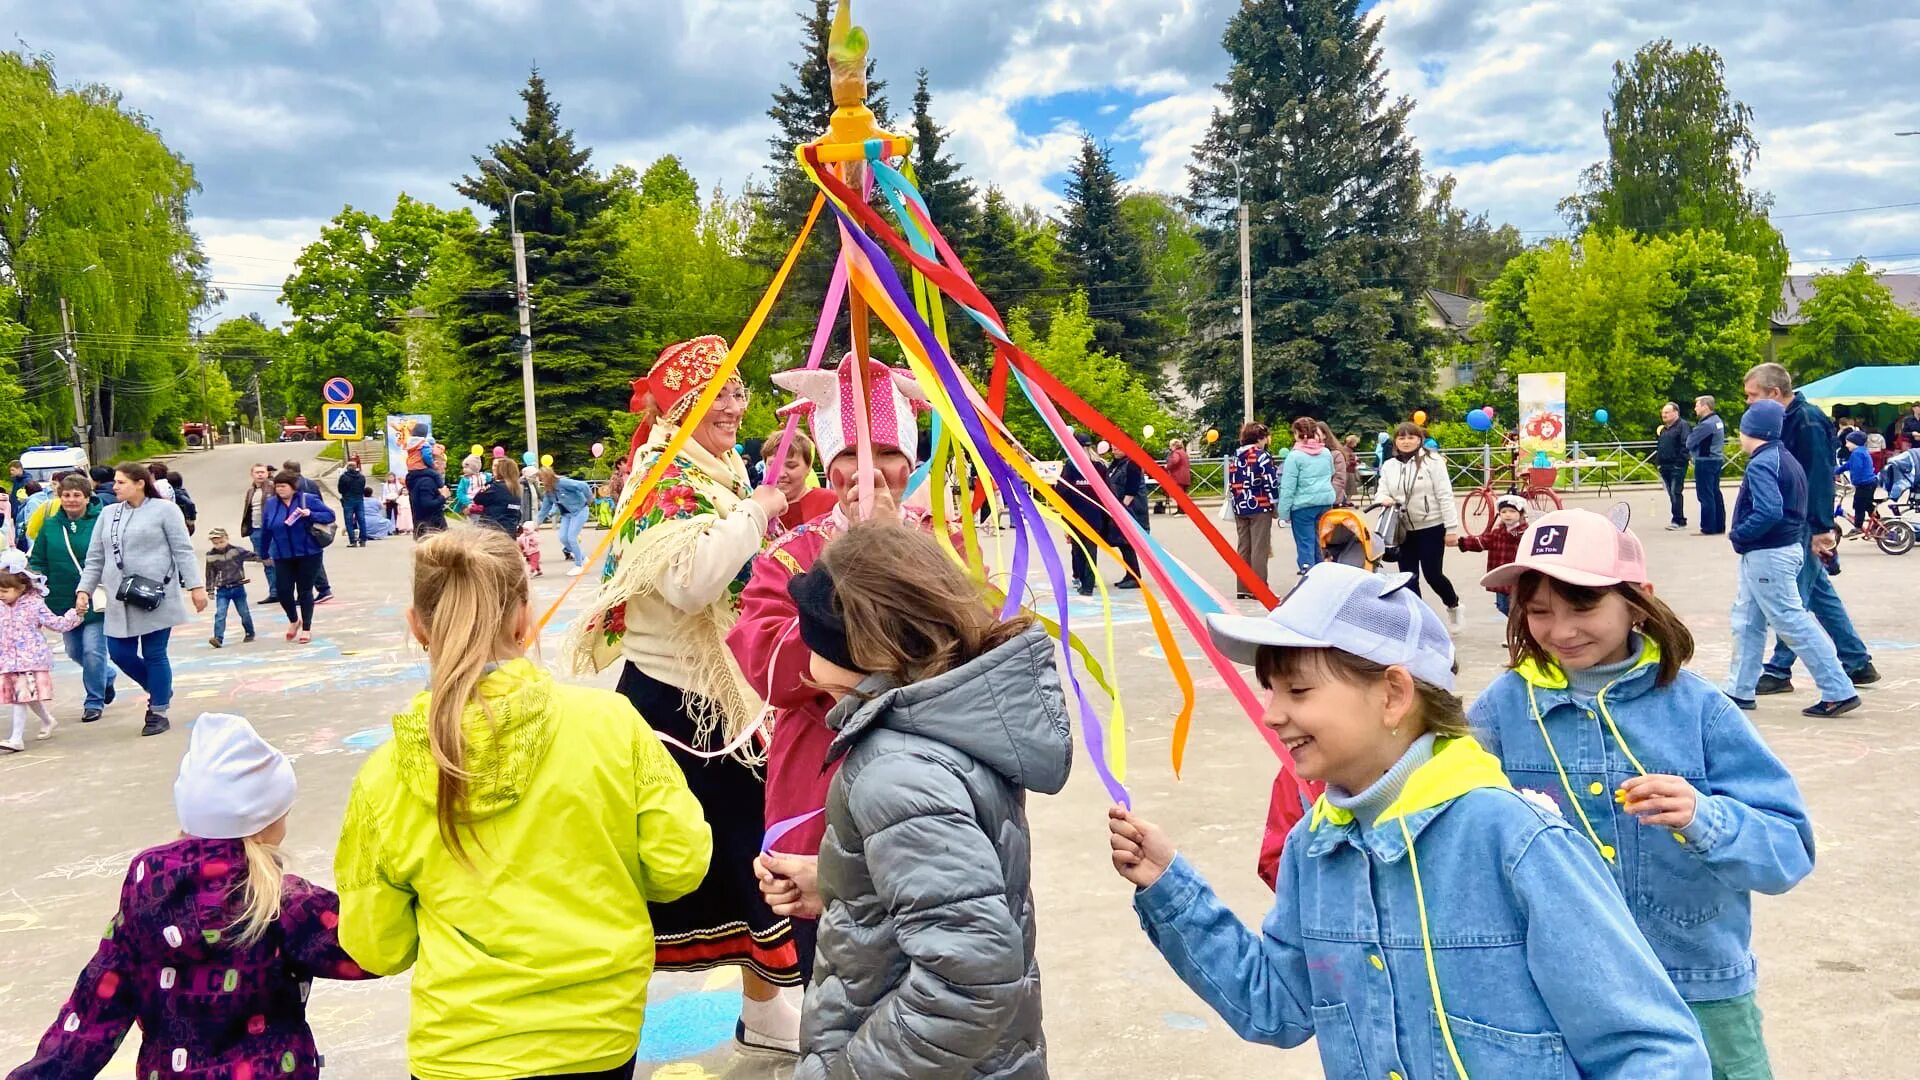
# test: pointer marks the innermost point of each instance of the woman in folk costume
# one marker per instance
(766, 640)
(670, 592)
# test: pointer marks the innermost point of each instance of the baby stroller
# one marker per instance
(1345, 538)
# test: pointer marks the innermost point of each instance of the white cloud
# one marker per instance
(248, 260)
(1167, 130)
(998, 153)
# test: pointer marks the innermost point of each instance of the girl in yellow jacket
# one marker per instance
(506, 843)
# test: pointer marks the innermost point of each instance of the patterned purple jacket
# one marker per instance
(208, 1008)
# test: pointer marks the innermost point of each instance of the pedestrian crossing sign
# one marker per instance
(342, 422)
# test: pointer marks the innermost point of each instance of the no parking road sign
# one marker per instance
(341, 422)
(337, 391)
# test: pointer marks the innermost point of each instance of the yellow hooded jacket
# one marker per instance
(535, 959)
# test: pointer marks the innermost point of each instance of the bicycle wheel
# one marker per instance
(1896, 538)
(1543, 500)
(1476, 512)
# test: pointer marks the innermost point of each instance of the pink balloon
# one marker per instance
(499, 451)
(1489, 411)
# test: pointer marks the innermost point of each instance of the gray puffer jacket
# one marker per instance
(925, 965)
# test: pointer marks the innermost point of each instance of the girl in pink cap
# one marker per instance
(1687, 807)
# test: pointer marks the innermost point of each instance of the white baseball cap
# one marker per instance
(1335, 606)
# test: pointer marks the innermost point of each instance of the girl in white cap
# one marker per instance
(215, 945)
(26, 664)
(1429, 921)
(1690, 811)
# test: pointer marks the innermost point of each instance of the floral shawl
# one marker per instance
(696, 491)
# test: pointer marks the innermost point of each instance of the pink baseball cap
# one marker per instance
(1578, 547)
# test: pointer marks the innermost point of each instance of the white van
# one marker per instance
(41, 462)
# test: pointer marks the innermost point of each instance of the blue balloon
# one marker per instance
(527, 459)
(1433, 444)
(1479, 421)
(1601, 415)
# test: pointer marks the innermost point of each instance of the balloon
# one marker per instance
(546, 461)
(598, 449)
(1420, 416)
(1147, 431)
(1601, 415)
(1213, 436)
(1102, 447)
(1489, 411)
(1433, 444)
(1479, 421)
(739, 448)
(527, 459)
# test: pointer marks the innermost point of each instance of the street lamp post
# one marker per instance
(1246, 283)
(526, 321)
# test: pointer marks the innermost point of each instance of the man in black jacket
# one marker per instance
(1128, 482)
(1672, 458)
(1078, 492)
(352, 486)
(1707, 443)
(1808, 435)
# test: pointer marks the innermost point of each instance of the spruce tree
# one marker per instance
(1102, 257)
(948, 192)
(1010, 256)
(584, 353)
(1333, 185)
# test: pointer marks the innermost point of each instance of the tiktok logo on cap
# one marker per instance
(1550, 540)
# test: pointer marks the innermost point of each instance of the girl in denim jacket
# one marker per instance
(1663, 775)
(1430, 923)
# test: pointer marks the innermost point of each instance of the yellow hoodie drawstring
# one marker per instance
(1573, 799)
(1426, 947)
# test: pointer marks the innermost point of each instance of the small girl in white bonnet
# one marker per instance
(26, 663)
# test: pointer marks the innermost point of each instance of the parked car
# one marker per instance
(41, 462)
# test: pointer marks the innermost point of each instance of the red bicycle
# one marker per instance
(1477, 512)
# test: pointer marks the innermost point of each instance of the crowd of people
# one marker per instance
(791, 776)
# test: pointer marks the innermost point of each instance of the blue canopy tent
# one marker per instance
(1897, 386)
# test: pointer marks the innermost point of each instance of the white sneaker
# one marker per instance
(576, 571)
(47, 726)
(768, 1026)
(1456, 618)
(12, 746)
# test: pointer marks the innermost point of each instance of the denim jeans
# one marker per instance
(259, 548)
(1706, 486)
(144, 659)
(1769, 597)
(1674, 477)
(1305, 521)
(235, 595)
(87, 646)
(1823, 600)
(570, 526)
(356, 518)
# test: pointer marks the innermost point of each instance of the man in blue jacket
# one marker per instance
(1769, 532)
(1807, 435)
(1707, 443)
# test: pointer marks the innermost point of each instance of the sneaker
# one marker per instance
(1864, 675)
(1774, 684)
(214, 641)
(12, 746)
(1130, 583)
(156, 723)
(755, 1042)
(108, 695)
(46, 728)
(326, 598)
(90, 716)
(1676, 527)
(1832, 708)
(268, 600)
(1455, 617)
(576, 571)
(249, 636)
(1747, 704)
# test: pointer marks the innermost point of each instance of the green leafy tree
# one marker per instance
(1465, 251)
(94, 210)
(242, 348)
(1102, 257)
(585, 352)
(1070, 351)
(1168, 239)
(1332, 182)
(1715, 328)
(348, 293)
(1851, 320)
(16, 421)
(667, 182)
(1679, 150)
(1013, 257)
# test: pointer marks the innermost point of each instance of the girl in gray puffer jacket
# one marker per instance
(946, 717)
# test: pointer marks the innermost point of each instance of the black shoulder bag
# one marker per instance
(135, 590)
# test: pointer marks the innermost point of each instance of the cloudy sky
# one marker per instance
(291, 108)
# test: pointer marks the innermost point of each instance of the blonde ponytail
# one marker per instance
(265, 888)
(469, 584)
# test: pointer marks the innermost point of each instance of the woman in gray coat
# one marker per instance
(143, 537)
(947, 717)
